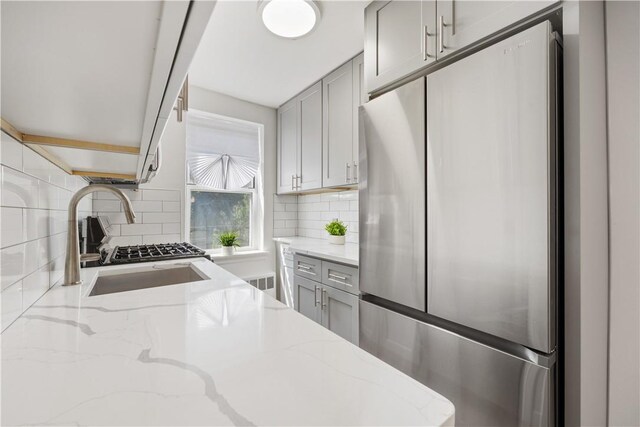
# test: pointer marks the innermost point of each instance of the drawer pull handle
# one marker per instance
(335, 276)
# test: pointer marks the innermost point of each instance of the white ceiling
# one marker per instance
(239, 57)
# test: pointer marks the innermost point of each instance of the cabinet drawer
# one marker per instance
(340, 276)
(310, 268)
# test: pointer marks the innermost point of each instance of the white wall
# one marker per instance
(33, 220)
(623, 90)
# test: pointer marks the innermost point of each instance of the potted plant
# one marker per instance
(336, 230)
(229, 242)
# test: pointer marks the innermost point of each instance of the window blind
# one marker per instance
(222, 154)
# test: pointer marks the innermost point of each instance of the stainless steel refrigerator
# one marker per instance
(458, 231)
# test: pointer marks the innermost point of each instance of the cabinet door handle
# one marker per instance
(355, 172)
(324, 298)
(298, 181)
(293, 178)
(441, 33)
(315, 297)
(426, 55)
(348, 172)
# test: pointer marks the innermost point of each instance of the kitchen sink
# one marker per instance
(152, 277)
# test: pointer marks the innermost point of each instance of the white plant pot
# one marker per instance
(228, 250)
(336, 240)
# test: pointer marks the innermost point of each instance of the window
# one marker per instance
(224, 180)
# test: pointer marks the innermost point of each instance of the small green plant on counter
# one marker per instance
(230, 238)
(336, 228)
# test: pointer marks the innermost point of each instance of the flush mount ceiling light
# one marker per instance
(290, 19)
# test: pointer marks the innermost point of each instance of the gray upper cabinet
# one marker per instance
(465, 22)
(340, 313)
(318, 132)
(287, 147)
(360, 96)
(400, 37)
(310, 134)
(337, 120)
(300, 142)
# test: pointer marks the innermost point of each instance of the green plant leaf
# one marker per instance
(336, 228)
(229, 238)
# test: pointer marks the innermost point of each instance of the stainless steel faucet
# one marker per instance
(72, 262)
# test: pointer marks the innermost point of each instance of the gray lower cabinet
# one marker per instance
(307, 298)
(333, 308)
(339, 313)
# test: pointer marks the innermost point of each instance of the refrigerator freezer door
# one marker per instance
(491, 191)
(487, 387)
(392, 196)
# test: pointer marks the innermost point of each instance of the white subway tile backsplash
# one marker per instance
(11, 303)
(162, 195)
(342, 205)
(35, 197)
(12, 231)
(164, 238)
(285, 215)
(18, 261)
(131, 194)
(56, 271)
(140, 206)
(36, 165)
(37, 223)
(140, 229)
(34, 286)
(11, 154)
(18, 189)
(160, 217)
(314, 215)
(47, 196)
(126, 241)
(171, 228)
(107, 206)
(171, 206)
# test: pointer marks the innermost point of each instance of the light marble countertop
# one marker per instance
(346, 254)
(213, 352)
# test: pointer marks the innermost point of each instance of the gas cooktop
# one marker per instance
(157, 252)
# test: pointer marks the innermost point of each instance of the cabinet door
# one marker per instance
(340, 313)
(400, 38)
(466, 21)
(360, 96)
(287, 147)
(310, 131)
(307, 297)
(337, 130)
